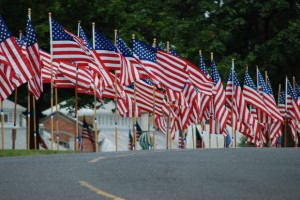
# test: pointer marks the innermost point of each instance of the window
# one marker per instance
(111, 120)
(10, 117)
(20, 120)
(5, 118)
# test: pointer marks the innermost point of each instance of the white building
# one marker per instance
(6, 132)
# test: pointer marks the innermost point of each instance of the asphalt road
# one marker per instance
(246, 173)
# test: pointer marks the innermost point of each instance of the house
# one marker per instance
(8, 125)
(105, 128)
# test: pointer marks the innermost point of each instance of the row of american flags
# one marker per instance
(146, 78)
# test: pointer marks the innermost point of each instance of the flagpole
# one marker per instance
(260, 133)
(14, 130)
(134, 111)
(2, 124)
(76, 110)
(28, 101)
(134, 117)
(95, 98)
(153, 102)
(212, 108)
(51, 84)
(33, 102)
(269, 134)
(169, 118)
(296, 136)
(56, 118)
(286, 118)
(34, 122)
(278, 100)
(232, 101)
(193, 138)
(116, 98)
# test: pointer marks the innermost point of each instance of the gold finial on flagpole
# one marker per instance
(211, 56)
(133, 36)
(200, 52)
(116, 32)
(168, 46)
(29, 11)
(154, 42)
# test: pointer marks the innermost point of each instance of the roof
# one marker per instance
(107, 109)
(10, 105)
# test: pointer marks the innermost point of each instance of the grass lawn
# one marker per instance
(10, 153)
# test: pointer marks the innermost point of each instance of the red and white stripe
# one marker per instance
(199, 79)
(111, 59)
(221, 113)
(17, 60)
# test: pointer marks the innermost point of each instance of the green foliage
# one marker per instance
(13, 153)
(263, 33)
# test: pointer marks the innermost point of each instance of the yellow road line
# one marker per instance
(100, 192)
(97, 159)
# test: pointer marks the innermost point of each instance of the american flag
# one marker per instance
(79, 75)
(100, 72)
(181, 140)
(268, 97)
(107, 52)
(199, 79)
(131, 70)
(219, 98)
(202, 66)
(172, 70)
(238, 103)
(161, 123)
(130, 141)
(87, 133)
(60, 81)
(297, 90)
(252, 96)
(147, 56)
(148, 97)
(83, 36)
(189, 94)
(281, 103)
(67, 46)
(165, 68)
(46, 67)
(199, 139)
(5, 87)
(295, 109)
(35, 85)
(21, 67)
(126, 107)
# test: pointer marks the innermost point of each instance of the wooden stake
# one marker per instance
(2, 124)
(56, 118)
(116, 98)
(296, 136)
(34, 122)
(51, 84)
(95, 119)
(232, 115)
(148, 135)
(153, 120)
(76, 110)
(28, 121)
(278, 100)
(193, 136)
(95, 97)
(286, 120)
(269, 134)
(28, 101)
